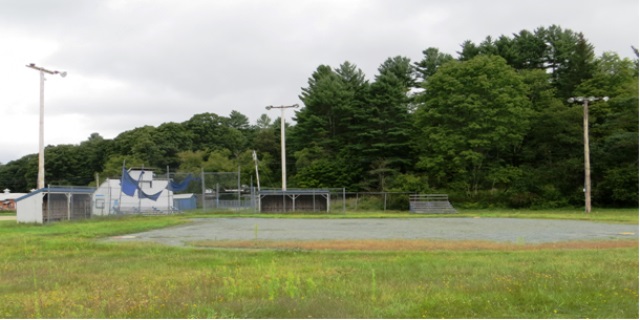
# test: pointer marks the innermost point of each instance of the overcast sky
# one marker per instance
(142, 62)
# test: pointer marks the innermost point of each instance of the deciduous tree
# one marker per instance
(474, 117)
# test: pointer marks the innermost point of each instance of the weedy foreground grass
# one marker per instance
(63, 270)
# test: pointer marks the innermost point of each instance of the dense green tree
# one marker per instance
(468, 51)
(488, 46)
(76, 164)
(551, 148)
(569, 58)
(567, 55)
(205, 127)
(263, 122)
(318, 120)
(139, 143)
(355, 114)
(64, 166)
(528, 51)
(327, 126)
(265, 138)
(388, 136)
(220, 160)
(94, 151)
(614, 131)
(233, 140)
(20, 175)
(266, 142)
(331, 102)
(473, 120)
(431, 61)
(191, 161)
(237, 121)
(171, 138)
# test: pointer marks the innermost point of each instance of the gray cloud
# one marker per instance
(148, 62)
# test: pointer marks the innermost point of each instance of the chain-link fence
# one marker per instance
(376, 201)
(67, 203)
(207, 191)
(337, 200)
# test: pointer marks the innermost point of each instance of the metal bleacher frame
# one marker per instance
(430, 203)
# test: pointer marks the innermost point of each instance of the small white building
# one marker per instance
(151, 196)
(54, 204)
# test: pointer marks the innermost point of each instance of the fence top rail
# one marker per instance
(427, 197)
(381, 192)
(294, 191)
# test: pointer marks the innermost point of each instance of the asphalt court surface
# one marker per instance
(489, 229)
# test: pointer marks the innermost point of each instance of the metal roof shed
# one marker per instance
(54, 204)
(184, 201)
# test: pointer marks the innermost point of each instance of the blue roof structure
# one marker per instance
(75, 190)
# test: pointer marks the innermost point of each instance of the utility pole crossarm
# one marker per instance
(33, 66)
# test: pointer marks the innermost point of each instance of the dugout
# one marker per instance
(299, 200)
(55, 204)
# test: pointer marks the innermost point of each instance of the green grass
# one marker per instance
(4, 213)
(64, 270)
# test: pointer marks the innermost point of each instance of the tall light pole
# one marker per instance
(282, 144)
(587, 162)
(41, 138)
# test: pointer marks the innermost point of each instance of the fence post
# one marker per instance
(48, 203)
(344, 200)
(385, 202)
(204, 192)
(68, 196)
(217, 195)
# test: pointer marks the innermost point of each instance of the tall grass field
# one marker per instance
(67, 270)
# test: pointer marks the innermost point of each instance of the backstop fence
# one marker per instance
(224, 191)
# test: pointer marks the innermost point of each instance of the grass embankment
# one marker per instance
(61, 271)
(7, 213)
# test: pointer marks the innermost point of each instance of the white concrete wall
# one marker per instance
(106, 199)
(30, 209)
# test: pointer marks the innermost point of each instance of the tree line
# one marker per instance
(491, 127)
